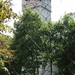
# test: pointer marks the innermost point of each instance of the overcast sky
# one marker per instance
(59, 7)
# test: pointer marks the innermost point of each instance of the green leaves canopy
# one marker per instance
(5, 14)
(27, 42)
(53, 41)
(65, 49)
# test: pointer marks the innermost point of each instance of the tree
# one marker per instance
(64, 45)
(47, 34)
(5, 14)
(27, 43)
(5, 55)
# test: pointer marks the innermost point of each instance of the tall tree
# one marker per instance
(47, 34)
(65, 49)
(5, 14)
(27, 42)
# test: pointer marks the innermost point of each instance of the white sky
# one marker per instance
(59, 7)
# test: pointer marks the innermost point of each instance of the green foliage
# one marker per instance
(5, 54)
(27, 42)
(5, 14)
(35, 40)
(65, 49)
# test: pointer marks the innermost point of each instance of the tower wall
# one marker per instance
(42, 6)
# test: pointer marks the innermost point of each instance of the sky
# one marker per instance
(58, 8)
(61, 7)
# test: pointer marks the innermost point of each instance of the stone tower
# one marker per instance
(42, 6)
